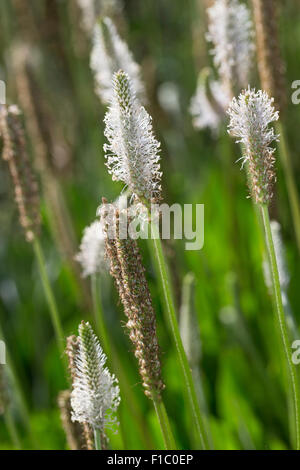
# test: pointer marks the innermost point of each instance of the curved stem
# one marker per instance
(171, 314)
(165, 427)
(290, 181)
(49, 295)
(282, 321)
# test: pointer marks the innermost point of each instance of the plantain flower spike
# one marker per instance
(230, 30)
(110, 54)
(91, 251)
(250, 118)
(132, 152)
(95, 395)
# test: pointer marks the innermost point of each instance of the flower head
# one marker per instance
(209, 104)
(95, 395)
(110, 54)
(250, 118)
(231, 33)
(132, 152)
(91, 253)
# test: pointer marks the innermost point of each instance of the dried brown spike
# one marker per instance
(25, 185)
(270, 63)
(129, 274)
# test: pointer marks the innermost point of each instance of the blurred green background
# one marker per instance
(241, 370)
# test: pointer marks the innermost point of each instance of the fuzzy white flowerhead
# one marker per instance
(92, 9)
(231, 32)
(110, 54)
(95, 395)
(209, 104)
(91, 252)
(132, 152)
(250, 118)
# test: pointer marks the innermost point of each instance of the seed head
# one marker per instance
(25, 185)
(270, 63)
(132, 152)
(91, 252)
(128, 271)
(95, 396)
(230, 31)
(110, 54)
(250, 118)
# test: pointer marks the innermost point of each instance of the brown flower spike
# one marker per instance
(129, 273)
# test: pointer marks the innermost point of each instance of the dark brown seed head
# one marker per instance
(14, 152)
(129, 273)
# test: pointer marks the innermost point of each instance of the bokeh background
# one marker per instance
(240, 367)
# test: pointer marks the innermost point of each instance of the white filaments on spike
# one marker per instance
(91, 251)
(95, 395)
(92, 9)
(250, 118)
(231, 32)
(208, 109)
(132, 152)
(110, 54)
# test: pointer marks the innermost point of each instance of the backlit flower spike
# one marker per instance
(231, 32)
(110, 54)
(209, 104)
(250, 118)
(91, 251)
(132, 152)
(95, 395)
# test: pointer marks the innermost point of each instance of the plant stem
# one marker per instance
(282, 320)
(97, 438)
(165, 427)
(98, 312)
(49, 295)
(290, 180)
(171, 314)
(10, 424)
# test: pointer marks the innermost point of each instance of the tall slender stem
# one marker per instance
(49, 295)
(290, 180)
(171, 314)
(11, 426)
(98, 312)
(282, 321)
(97, 438)
(165, 427)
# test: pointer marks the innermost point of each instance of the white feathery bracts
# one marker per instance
(231, 32)
(91, 251)
(110, 54)
(132, 152)
(209, 104)
(95, 394)
(250, 118)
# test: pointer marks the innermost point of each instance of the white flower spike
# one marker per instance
(132, 152)
(95, 395)
(91, 252)
(250, 118)
(110, 54)
(231, 32)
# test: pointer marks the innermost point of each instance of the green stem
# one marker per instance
(290, 180)
(98, 312)
(97, 438)
(282, 320)
(170, 310)
(165, 427)
(11, 426)
(49, 295)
